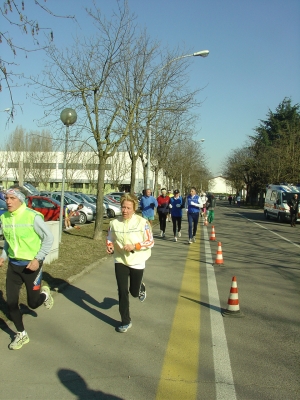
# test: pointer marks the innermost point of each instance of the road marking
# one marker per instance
(225, 389)
(179, 377)
(267, 229)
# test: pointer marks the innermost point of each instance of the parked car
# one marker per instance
(49, 207)
(92, 201)
(113, 209)
(116, 195)
(31, 189)
(111, 199)
(45, 193)
(86, 213)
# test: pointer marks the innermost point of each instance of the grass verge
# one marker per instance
(77, 251)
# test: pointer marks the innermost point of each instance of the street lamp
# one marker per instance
(68, 117)
(202, 53)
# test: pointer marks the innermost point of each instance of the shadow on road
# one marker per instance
(82, 299)
(77, 385)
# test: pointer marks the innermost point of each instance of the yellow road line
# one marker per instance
(179, 377)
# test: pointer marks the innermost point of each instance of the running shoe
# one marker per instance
(194, 239)
(175, 239)
(142, 294)
(179, 234)
(124, 328)
(19, 340)
(190, 241)
(161, 233)
(48, 303)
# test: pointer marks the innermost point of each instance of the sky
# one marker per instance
(254, 60)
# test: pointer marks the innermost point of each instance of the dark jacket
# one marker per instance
(293, 204)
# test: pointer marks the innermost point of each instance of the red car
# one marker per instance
(49, 207)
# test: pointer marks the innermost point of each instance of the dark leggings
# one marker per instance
(162, 221)
(123, 272)
(178, 221)
(294, 215)
(15, 277)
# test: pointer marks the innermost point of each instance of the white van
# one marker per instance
(276, 200)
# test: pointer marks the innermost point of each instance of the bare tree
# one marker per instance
(119, 168)
(87, 77)
(34, 150)
(15, 20)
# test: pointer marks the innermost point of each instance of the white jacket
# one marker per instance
(135, 230)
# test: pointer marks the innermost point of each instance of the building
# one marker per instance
(219, 185)
(45, 171)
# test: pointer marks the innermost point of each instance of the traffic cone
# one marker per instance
(219, 258)
(213, 234)
(233, 306)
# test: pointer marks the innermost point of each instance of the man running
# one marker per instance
(27, 242)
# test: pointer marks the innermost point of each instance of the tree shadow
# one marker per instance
(82, 299)
(77, 385)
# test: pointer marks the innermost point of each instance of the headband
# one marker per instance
(16, 193)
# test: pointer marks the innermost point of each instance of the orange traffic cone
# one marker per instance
(219, 258)
(213, 234)
(233, 306)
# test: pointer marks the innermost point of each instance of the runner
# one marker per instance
(130, 239)
(25, 258)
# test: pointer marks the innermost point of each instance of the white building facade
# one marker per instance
(45, 170)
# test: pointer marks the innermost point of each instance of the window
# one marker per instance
(77, 185)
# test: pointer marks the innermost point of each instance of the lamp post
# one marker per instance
(68, 117)
(202, 53)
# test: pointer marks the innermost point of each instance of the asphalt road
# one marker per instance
(180, 346)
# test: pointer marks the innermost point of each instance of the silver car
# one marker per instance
(87, 214)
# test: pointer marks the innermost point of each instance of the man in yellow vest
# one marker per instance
(27, 241)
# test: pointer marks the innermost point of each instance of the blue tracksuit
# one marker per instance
(147, 205)
(177, 204)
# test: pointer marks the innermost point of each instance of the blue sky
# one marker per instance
(254, 59)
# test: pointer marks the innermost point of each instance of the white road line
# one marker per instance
(225, 389)
(267, 229)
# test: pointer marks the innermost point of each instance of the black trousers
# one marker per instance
(135, 276)
(15, 277)
(176, 223)
(293, 217)
(162, 221)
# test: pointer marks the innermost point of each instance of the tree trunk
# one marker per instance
(133, 173)
(100, 193)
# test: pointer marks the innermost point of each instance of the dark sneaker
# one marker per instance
(142, 295)
(124, 328)
(19, 340)
(49, 302)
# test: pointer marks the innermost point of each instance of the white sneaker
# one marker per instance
(194, 239)
(19, 340)
(190, 241)
(179, 234)
(48, 303)
(161, 233)
(175, 239)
